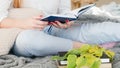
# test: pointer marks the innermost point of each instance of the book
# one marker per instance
(105, 65)
(104, 59)
(63, 18)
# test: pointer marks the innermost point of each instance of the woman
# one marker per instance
(37, 41)
(35, 26)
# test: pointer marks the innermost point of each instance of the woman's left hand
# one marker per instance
(62, 26)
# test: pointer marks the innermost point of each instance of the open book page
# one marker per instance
(79, 11)
(73, 15)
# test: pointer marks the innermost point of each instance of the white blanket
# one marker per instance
(112, 10)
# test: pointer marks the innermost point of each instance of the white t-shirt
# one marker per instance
(4, 6)
(49, 6)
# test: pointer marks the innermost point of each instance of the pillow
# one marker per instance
(23, 13)
(7, 37)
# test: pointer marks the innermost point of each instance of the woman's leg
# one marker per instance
(38, 43)
(100, 33)
(97, 33)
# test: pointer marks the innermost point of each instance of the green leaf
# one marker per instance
(110, 54)
(84, 48)
(96, 51)
(71, 61)
(57, 58)
(74, 52)
(96, 64)
(81, 61)
(90, 59)
(86, 56)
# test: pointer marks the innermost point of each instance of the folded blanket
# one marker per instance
(88, 18)
(12, 61)
(116, 61)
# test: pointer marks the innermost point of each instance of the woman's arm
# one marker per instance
(10, 23)
(33, 23)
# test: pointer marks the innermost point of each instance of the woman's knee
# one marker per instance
(24, 38)
(31, 42)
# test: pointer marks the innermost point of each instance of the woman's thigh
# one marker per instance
(97, 33)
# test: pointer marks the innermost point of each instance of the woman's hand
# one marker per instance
(34, 23)
(62, 26)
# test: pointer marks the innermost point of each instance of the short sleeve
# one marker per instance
(4, 6)
(65, 6)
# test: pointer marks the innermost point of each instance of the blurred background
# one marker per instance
(79, 3)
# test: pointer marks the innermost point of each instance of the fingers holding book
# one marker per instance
(62, 26)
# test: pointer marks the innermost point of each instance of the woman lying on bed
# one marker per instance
(35, 40)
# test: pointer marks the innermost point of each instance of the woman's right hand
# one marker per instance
(34, 23)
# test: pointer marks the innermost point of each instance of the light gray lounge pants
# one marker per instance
(41, 43)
